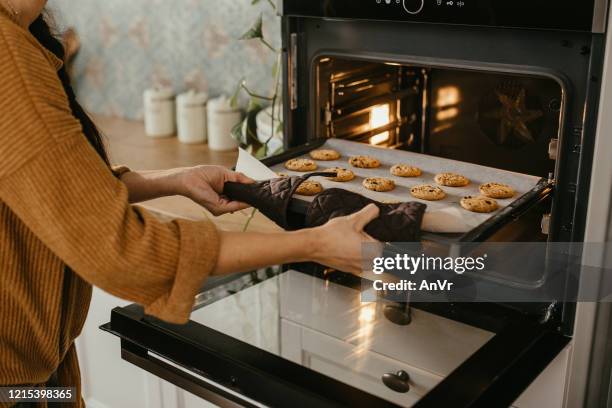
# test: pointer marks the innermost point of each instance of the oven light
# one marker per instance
(447, 114)
(379, 138)
(379, 116)
(448, 96)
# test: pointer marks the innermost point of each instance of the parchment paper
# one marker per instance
(445, 216)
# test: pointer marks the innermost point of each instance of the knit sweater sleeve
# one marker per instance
(54, 181)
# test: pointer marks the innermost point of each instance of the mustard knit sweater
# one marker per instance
(62, 210)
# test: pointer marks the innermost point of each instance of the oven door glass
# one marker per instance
(272, 337)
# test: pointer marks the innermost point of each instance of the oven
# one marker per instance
(511, 87)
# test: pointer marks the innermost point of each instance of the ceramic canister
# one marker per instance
(221, 120)
(159, 112)
(191, 117)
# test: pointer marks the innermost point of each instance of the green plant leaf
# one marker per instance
(261, 152)
(254, 105)
(239, 132)
(255, 2)
(275, 68)
(236, 94)
(255, 31)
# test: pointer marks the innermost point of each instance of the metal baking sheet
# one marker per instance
(445, 216)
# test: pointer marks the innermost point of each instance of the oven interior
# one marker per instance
(500, 120)
(497, 119)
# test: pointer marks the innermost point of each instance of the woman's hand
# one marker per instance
(338, 244)
(204, 185)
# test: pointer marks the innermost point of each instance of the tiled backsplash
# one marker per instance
(127, 46)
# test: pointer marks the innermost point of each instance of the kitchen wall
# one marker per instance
(128, 46)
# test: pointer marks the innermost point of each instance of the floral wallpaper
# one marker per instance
(128, 46)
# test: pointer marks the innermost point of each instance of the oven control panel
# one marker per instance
(576, 15)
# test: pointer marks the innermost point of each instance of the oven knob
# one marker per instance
(413, 6)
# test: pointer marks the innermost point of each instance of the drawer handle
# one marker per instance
(398, 382)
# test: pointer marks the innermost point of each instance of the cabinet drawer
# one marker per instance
(362, 368)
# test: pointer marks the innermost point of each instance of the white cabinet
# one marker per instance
(548, 389)
(360, 368)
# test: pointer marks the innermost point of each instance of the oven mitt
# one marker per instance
(270, 197)
(396, 222)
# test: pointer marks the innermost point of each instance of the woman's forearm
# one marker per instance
(337, 244)
(148, 185)
(242, 252)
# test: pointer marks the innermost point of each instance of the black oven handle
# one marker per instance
(206, 389)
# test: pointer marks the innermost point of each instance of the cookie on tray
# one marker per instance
(309, 188)
(301, 165)
(479, 204)
(404, 170)
(379, 184)
(342, 174)
(364, 162)
(452, 180)
(497, 190)
(428, 192)
(325, 154)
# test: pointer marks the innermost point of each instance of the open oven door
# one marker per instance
(275, 338)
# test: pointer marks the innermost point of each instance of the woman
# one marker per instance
(66, 222)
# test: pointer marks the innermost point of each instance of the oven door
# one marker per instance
(274, 338)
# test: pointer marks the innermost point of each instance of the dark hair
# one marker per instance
(41, 30)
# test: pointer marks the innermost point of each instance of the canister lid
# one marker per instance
(159, 93)
(221, 104)
(192, 98)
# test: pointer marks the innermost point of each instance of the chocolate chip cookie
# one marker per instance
(452, 180)
(342, 175)
(325, 154)
(428, 192)
(497, 190)
(404, 170)
(379, 184)
(301, 165)
(364, 162)
(309, 188)
(479, 204)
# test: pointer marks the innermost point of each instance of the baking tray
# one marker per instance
(444, 220)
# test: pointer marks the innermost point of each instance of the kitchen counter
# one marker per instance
(128, 145)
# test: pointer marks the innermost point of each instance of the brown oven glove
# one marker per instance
(270, 197)
(396, 222)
